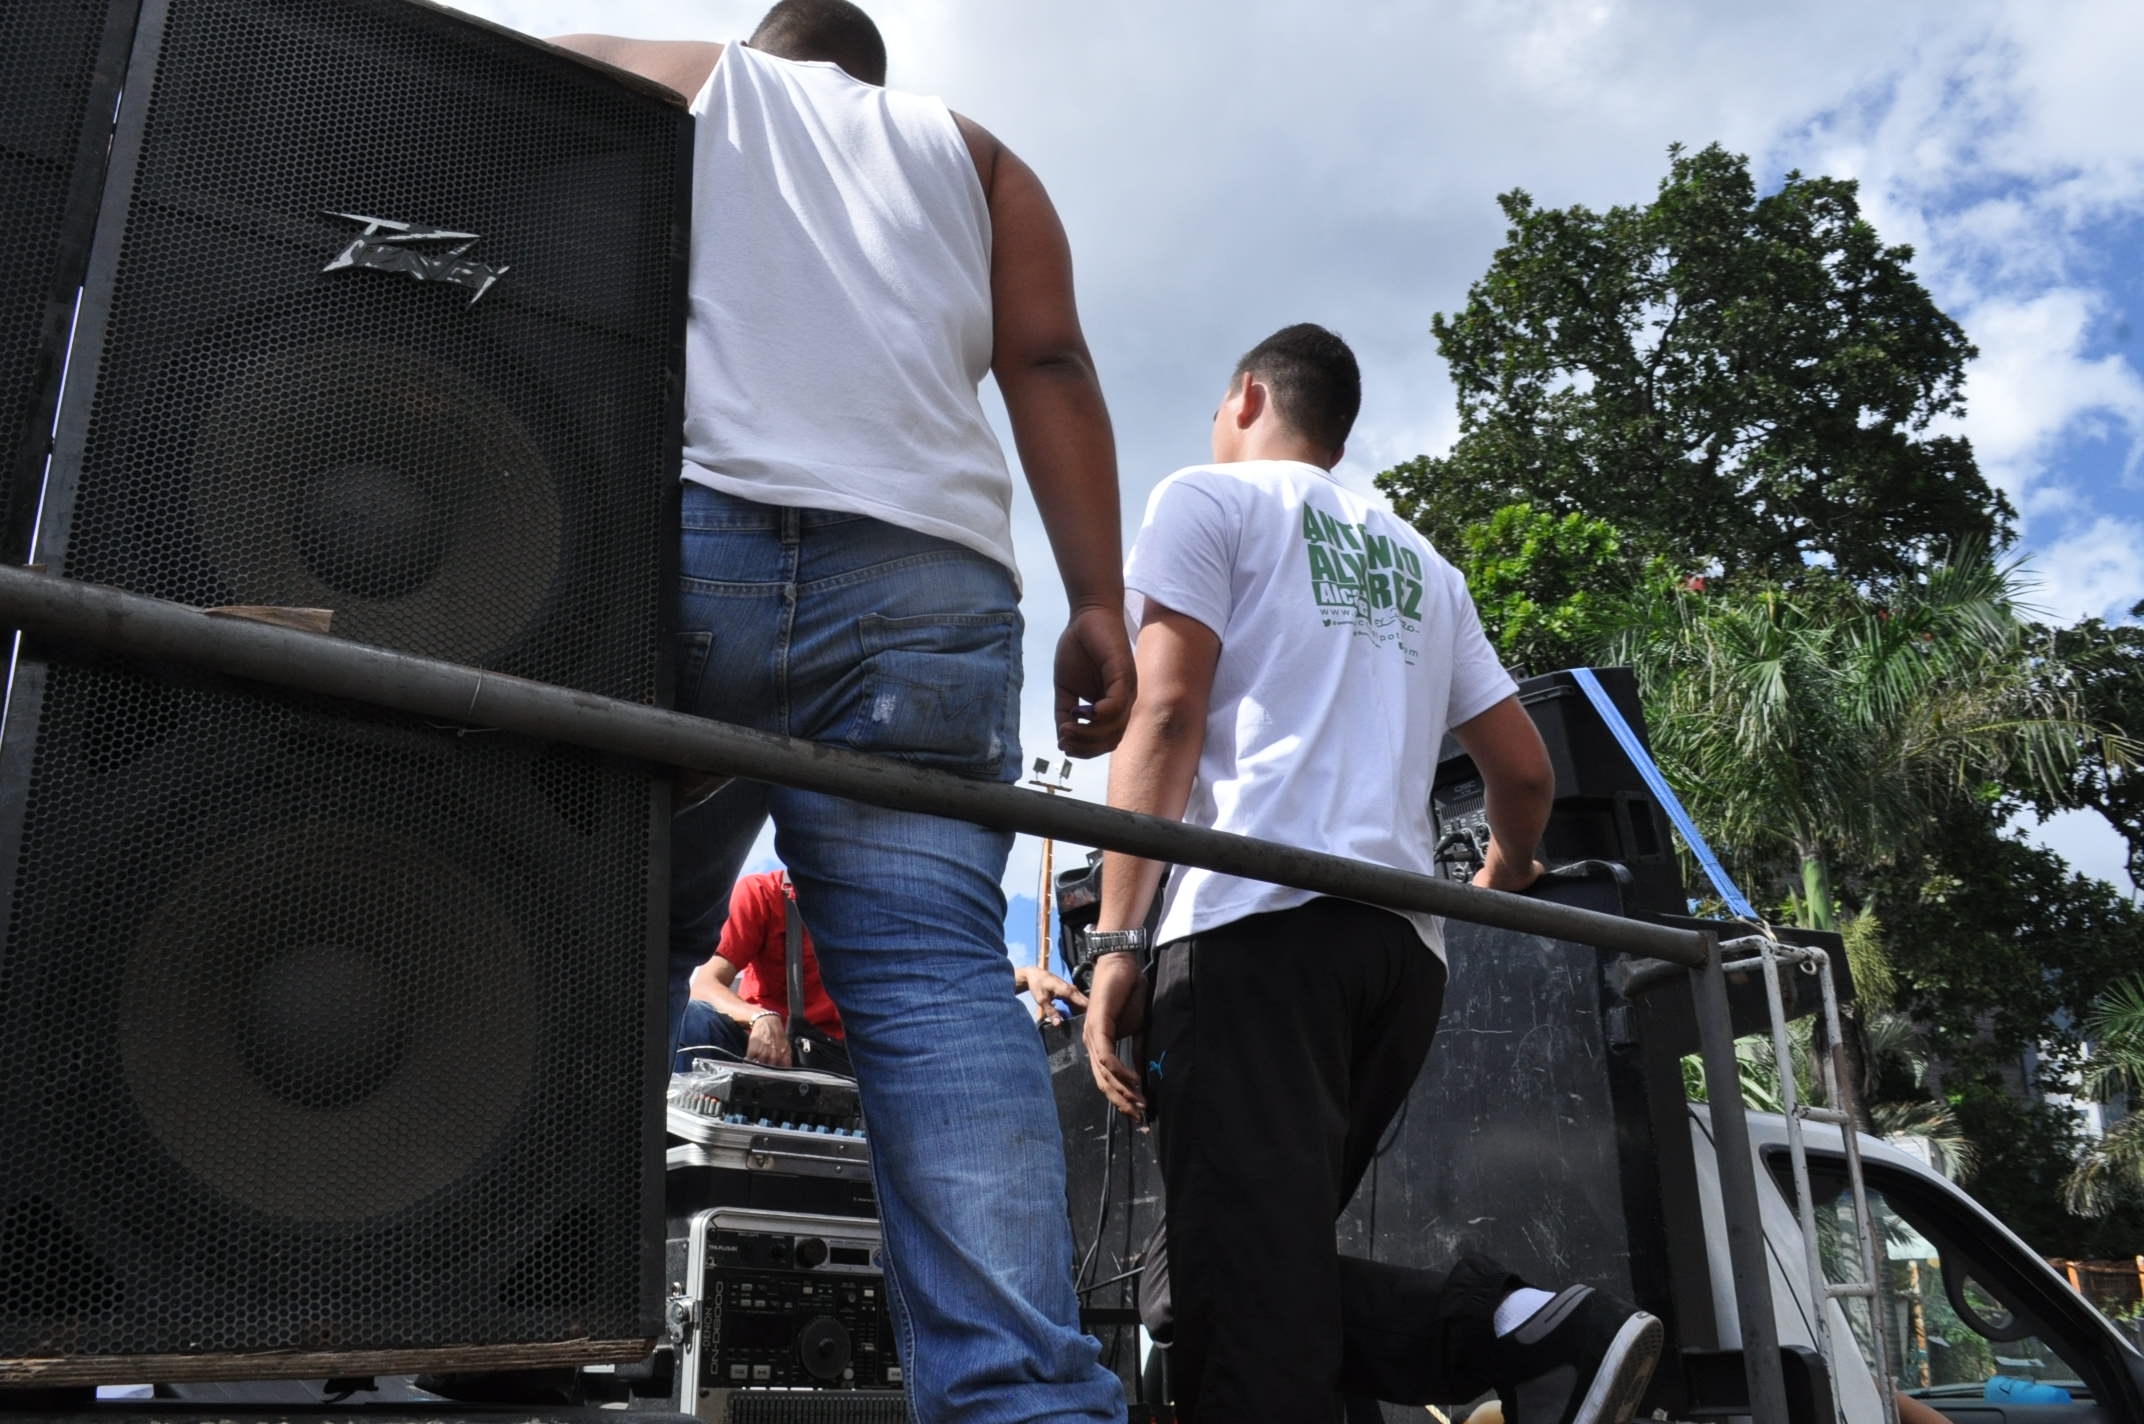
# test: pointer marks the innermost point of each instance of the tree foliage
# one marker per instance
(2027, 1146)
(1732, 380)
(1551, 591)
(1817, 719)
(2105, 664)
(1753, 389)
(1999, 947)
(2115, 1163)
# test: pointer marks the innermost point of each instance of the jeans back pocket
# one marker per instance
(939, 690)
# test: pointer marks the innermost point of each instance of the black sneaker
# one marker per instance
(1583, 1358)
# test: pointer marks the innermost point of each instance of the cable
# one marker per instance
(1101, 1212)
(1112, 1280)
(711, 1048)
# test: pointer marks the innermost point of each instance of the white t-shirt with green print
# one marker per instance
(1348, 648)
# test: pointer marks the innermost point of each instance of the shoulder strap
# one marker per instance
(793, 932)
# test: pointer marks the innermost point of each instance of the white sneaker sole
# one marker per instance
(1624, 1371)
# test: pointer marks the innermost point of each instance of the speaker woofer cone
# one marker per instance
(385, 487)
(298, 1020)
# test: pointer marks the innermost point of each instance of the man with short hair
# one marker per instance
(1301, 654)
(860, 259)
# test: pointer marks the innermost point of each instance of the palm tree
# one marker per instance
(1823, 723)
(2116, 1031)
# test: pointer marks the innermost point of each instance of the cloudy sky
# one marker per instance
(1224, 169)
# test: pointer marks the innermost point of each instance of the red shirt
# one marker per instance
(756, 940)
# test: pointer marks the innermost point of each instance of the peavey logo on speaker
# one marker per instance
(388, 246)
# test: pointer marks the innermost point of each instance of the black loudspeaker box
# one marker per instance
(60, 65)
(1603, 809)
(329, 1038)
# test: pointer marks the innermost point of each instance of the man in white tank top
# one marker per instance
(1302, 652)
(860, 258)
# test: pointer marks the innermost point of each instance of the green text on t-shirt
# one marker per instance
(1351, 567)
(1369, 580)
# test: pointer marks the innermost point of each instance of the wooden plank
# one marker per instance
(315, 1364)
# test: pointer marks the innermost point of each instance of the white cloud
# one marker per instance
(2033, 384)
(2097, 572)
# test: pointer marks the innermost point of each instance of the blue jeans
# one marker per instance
(707, 1032)
(846, 630)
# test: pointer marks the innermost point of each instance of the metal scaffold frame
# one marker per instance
(1766, 954)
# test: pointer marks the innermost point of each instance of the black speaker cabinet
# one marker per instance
(1603, 808)
(60, 65)
(330, 1039)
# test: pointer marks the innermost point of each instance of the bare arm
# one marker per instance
(1044, 989)
(1518, 785)
(767, 1039)
(1154, 768)
(1152, 772)
(682, 65)
(712, 981)
(1061, 428)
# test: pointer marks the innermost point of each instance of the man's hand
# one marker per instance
(1518, 788)
(1095, 681)
(1115, 1009)
(769, 1043)
(1501, 872)
(1046, 988)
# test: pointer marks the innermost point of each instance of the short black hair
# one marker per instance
(1315, 385)
(824, 29)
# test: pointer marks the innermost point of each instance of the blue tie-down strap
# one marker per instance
(1627, 739)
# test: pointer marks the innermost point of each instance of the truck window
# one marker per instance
(1955, 1326)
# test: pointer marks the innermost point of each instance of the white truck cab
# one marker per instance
(1978, 1326)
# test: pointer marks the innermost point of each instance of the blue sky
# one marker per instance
(1225, 168)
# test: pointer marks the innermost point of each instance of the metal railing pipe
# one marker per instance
(1747, 1254)
(45, 606)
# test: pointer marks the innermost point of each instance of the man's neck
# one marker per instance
(1286, 447)
(1274, 440)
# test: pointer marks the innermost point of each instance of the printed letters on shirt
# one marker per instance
(1365, 581)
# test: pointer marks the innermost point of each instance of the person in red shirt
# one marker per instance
(740, 996)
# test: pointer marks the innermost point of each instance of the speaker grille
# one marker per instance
(482, 481)
(326, 1030)
(322, 1031)
(59, 63)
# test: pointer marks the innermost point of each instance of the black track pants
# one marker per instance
(1280, 1048)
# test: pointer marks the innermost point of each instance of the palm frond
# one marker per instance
(1950, 1151)
(2109, 1167)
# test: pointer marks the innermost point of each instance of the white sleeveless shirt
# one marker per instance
(840, 316)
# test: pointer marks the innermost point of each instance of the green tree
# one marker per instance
(2027, 1151)
(1817, 721)
(1998, 946)
(1732, 380)
(2114, 1163)
(2105, 661)
(1551, 591)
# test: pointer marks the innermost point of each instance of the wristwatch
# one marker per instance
(1097, 943)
